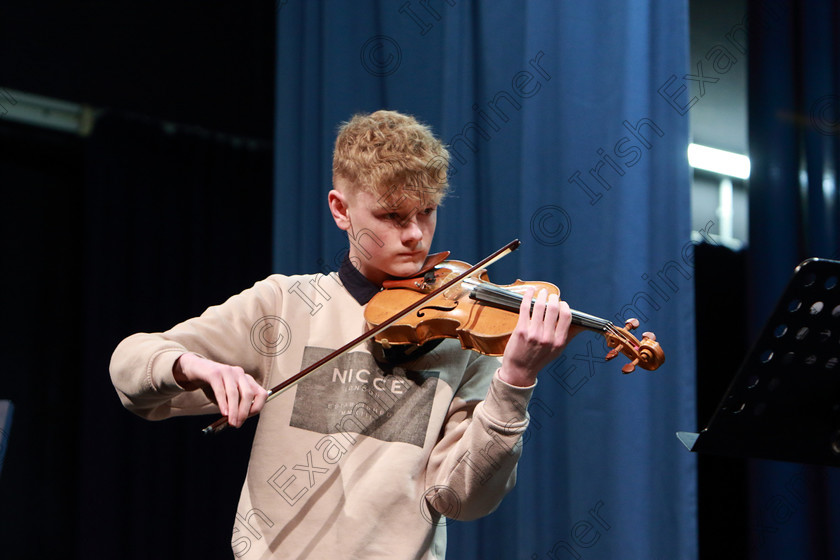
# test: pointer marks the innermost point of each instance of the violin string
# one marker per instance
(491, 293)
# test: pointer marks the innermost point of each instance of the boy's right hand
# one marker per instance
(236, 392)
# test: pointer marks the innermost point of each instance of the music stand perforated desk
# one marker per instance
(784, 402)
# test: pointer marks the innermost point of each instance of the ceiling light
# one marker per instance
(719, 161)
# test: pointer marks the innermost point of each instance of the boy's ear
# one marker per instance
(338, 207)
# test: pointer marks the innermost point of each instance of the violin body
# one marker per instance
(451, 314)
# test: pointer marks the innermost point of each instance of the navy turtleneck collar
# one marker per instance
(355, 282)
(362, 291)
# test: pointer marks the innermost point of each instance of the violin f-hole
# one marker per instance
(436, 308)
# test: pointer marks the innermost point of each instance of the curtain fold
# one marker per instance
(565, 129)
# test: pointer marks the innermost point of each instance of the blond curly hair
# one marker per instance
(379, 151)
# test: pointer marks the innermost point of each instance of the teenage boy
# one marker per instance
(363, 457)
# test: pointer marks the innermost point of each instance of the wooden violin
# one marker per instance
(482, 315)
(450, 299)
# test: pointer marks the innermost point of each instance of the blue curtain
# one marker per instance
(794, 214)
(567, 122)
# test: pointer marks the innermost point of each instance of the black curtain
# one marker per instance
(136, 228)
(794, 98)
(722, 482)
(41, 178)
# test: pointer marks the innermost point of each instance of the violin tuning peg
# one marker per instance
(629, 367)
(631, 324)
(648, 335)
(611, 354)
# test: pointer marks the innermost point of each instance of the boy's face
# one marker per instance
(390, 234)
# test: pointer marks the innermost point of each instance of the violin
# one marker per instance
(451, 299)
(483, 315)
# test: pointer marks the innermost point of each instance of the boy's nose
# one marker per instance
(411, 231)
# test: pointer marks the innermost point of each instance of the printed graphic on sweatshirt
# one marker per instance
(354, 395)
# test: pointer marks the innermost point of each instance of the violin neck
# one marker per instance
(506, 299)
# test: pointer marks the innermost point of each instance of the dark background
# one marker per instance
(133, 228)
(209, 64)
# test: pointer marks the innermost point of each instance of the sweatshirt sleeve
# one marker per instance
(473, 465)
(141, 365)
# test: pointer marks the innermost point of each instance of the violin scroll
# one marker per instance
(645, 353)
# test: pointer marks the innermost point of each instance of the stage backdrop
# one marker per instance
(568, 125)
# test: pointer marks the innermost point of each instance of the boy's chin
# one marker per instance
(406, 269)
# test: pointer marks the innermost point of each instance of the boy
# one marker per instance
(365, 455)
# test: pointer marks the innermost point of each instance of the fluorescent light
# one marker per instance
(719, 161)
(46, 112)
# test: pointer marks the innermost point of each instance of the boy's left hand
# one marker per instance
(538, 338)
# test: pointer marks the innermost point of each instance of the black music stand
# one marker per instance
(784, 402)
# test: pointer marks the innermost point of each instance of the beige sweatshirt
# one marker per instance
(361, 458)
